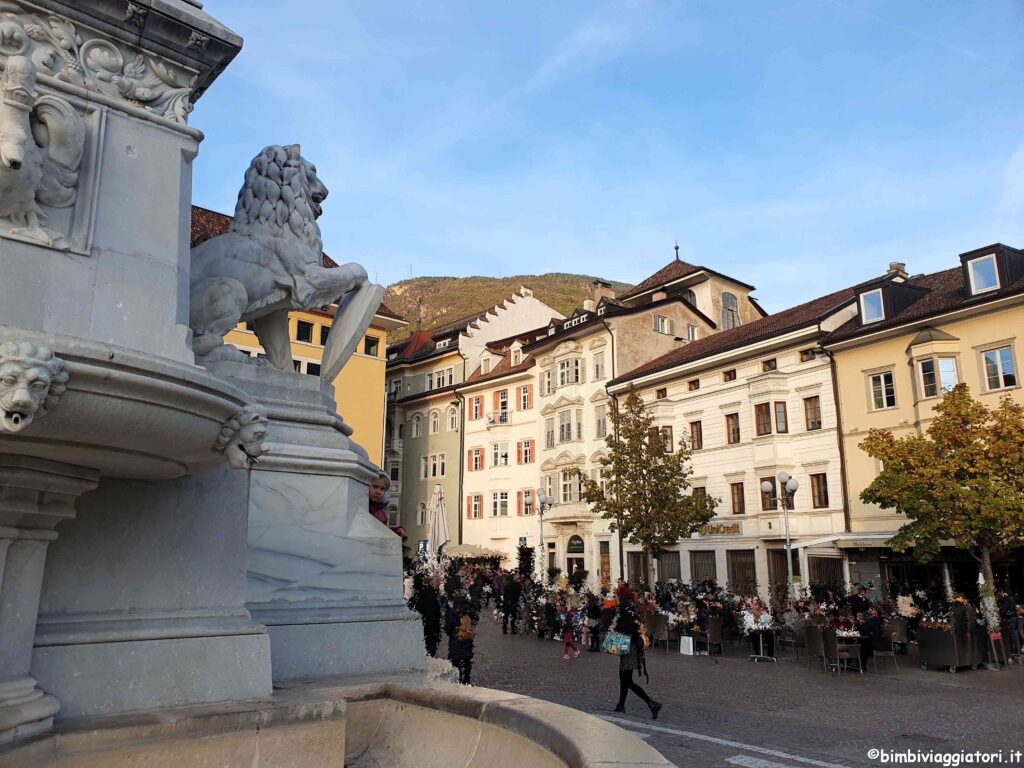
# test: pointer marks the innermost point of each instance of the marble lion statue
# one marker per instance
(271, 262)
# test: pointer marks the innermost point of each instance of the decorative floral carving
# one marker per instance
(32, 379)
(135, 15)
(60, 50)
(243, 438)
(197, 40)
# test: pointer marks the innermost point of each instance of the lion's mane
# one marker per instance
(275, 197)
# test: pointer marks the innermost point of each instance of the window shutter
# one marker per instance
(519, 452)
(581, 372)
(519, 503)
(469, 460)
(494, 397)
(529, 395)
(469, 506)
(533, 449)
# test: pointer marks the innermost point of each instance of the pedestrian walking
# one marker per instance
(636, 660)
(429, 608)
(510, 604)
(460, 626)
(569, 649)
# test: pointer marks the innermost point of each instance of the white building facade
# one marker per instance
(500, 475)
(750, 403)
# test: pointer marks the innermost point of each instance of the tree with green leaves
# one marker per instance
(646, 493)
(961, 481)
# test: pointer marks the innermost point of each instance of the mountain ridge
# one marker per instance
(430, 301)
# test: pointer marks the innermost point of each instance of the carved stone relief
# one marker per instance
(32, 380)
(75, 55)
(41, 143)
(243, 438)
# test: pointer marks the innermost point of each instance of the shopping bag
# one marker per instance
(686, 645)
(616, 643)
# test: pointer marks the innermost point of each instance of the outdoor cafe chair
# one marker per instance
(890, 636)
(657, 628)
(841, 653)
(796, 640)
(815, 643)
(713, 636)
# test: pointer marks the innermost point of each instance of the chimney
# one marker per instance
(600, 290)
(589, 305)
(898, 268)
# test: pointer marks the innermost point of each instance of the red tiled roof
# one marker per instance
(674, 270)
(387, 311)
(503, 368)
(759, 330)
(207, 224)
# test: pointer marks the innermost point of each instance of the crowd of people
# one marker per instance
(581, 619)
(452, 596)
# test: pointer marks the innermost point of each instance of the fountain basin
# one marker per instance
(126, 413)
(397, 720)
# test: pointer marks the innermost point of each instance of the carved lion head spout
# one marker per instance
(32, 380)
(243, 438)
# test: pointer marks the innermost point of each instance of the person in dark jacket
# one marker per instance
(634, 661)
(429, 609)
(510, 604)
(460, 626)
(550, 618)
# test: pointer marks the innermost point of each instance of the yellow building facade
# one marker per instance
(913, 338)
(359, 389)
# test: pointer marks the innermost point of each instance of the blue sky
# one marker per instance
(799, 146)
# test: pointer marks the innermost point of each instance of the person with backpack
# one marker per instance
(635, 660)
(460, 626)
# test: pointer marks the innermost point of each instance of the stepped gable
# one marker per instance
(942, 292)
(759, 330)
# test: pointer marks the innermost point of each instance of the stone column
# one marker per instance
(35, 495)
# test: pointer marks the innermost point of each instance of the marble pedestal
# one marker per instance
(324, 576)
(35, 495)
(143, 602)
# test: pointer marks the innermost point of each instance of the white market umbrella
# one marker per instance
(438, 515)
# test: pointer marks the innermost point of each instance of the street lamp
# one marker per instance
(789, 486)
(544, 503)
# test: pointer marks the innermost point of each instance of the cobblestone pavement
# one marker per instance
(764, 715)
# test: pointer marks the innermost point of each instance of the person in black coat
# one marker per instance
(626, 622)
(510, 604)
(460, 647)
(429, 608)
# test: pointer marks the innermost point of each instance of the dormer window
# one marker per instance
(517, 357)
(871, 307)
(443, 343)
(984, 275)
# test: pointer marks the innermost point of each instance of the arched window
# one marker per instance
(453, 419)
(435, 423)
(730, 312)
(417, 425)
(690, 296)
(421, 514)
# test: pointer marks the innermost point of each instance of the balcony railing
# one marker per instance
(495, 418)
